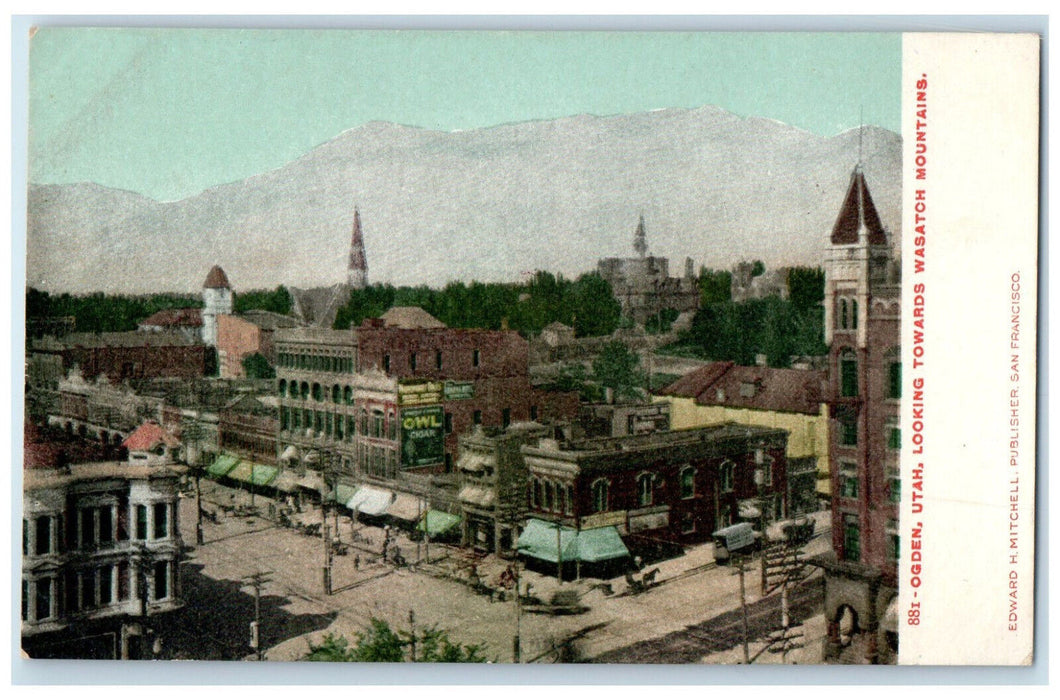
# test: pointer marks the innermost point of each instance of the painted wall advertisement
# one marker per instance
(422, 436)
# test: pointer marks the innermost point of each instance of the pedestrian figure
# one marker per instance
(357, 562)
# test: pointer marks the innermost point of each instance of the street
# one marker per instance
(692, 611)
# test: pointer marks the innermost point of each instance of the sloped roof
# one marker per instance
(318, 306)
(148, 436)
(858, 211)
(269, 320)
(174, 318)
(756, 388)
(216, 279)
(696, 382)
(409, 317)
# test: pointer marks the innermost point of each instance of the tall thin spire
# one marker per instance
(357, 276)
(861, 130)
(640, 239)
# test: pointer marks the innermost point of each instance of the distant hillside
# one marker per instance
(489, 204)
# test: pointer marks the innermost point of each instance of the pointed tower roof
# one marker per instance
(216, 279)
(357, 257)
(640, 239)
(858, 213)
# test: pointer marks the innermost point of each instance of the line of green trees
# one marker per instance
(738, 331)
(100, 313)
(586, 304)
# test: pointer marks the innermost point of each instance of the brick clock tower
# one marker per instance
(862, 328)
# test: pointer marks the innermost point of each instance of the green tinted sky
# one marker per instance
(169, 112)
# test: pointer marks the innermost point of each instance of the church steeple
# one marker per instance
(640, 239)
(357, 276)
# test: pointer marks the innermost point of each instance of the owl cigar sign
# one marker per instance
(422, 436)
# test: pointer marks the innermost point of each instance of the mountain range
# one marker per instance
(491, 204)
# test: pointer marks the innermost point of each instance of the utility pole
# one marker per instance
(559, 555)
(412, 636)
(743, 607)
(257, 581)
(518, 613)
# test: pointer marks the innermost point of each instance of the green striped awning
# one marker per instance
(251, 473)
(538, 540)
(222, 465)
(436, 522)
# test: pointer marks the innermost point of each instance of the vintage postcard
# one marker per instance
(530, 347)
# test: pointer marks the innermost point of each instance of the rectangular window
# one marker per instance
(448, 423)
(88, 589)
(688, 483)
(88, 527)
(44, 598)
(848, 369)
(848, 430)
(412, 361)
(106, 525)
(848, 480)
(106, 585)
(895, 489)
(123, 580)
(438, 359)
(476, 418)
(161, 529)
(570, 500)
(894, 439)
(851, 538)
(386, 363)
(476, 358)
(533, 413)
(25, 537)
(506, 417)
(43, 533)
(25, 600)
(895, 377)
(161, 576)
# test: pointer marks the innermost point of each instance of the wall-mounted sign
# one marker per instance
(419, 393)
(422, 436)
(458, 391)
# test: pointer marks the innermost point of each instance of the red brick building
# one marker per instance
(249, 333)
(132, 355)
(862, 327)
(668, 487)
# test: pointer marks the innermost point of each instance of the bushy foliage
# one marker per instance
(102, 313)
(380, 643)
(586, 304)
(714, 286)
(278, 301)
(618, 368)
(255, 366)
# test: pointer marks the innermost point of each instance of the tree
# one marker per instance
(379, 643)
(757, 268)
(618, 368)
(255, 366)
(714, 286)
(595, 309)
(278, 301)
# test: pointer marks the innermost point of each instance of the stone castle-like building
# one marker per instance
(643, 286)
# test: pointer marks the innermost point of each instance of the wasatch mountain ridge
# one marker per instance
(488, 204)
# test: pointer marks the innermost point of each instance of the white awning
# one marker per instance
(478, 495)
(370, 500)
(748, 510)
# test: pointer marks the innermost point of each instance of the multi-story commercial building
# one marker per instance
(862, 327)
(100, 552)
(493, 479)
(388, 403)
(247, 334)
(790, 399)
(663, 488)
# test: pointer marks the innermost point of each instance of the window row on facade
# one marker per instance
(316, 363)
(340, 426)
(91, 588)
(95, 527)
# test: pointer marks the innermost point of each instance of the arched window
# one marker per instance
(848, 373)
(570, 499)
(645, 483)
(561, 502)
(842, 313)
(318, 392)
(336, 394)
(282, 388)
(688, 482)
(727, 476)
(854, 314)
(347, 395)
(305, 390)
(548, 495)
(600, 495)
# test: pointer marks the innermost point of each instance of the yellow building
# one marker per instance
(791, 399)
